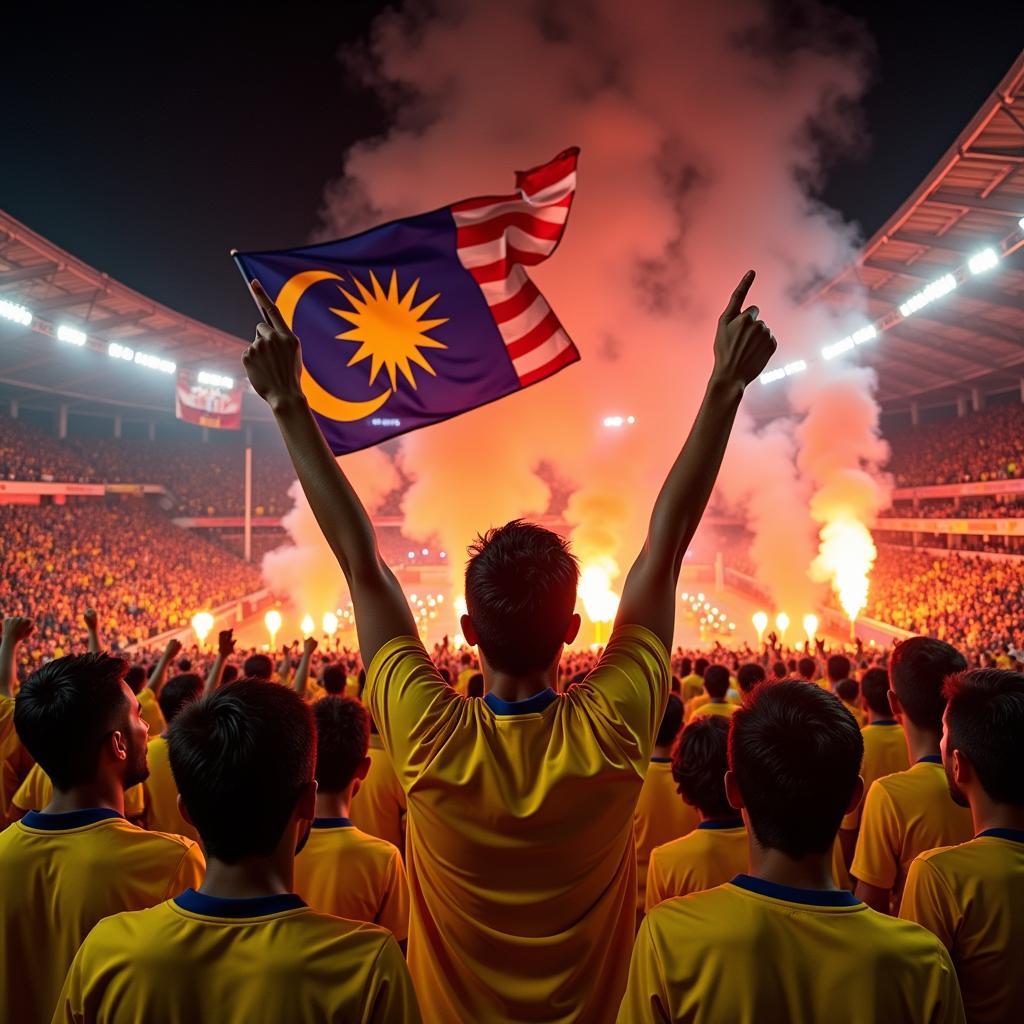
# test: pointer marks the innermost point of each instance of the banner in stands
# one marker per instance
(206, 404)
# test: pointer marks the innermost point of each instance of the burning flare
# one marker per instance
(599, 600)
(845, 558)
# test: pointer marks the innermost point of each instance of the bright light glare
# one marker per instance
(71, 335)
(982, 261)
(782, 623)
(272, 620)
(155, 362)
(215, 380)
(202, 623)
(943, 286)
(116, 351)
(330, 623)
(307, 625)
(760, 623)
(12, 311)
(810, 627)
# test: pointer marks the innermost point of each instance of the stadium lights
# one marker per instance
(116, 351)
(943, 286)
(982, 261)
(1020, 223)
(857, 338)
(12, 311)
(215, 380)
(155, 362)
(797, 366)
(614, 422)
(72, 335)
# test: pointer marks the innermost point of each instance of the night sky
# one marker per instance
(149, 148)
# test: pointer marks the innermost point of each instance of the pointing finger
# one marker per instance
(270, 311)
(735, 304)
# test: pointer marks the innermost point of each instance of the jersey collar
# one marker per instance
(219, 906)
(722, 823)
(885, 721)
(809, 897)
(661, 760)
(68, 819)
(530, 706)
(332, 823)
(1016, 834)
(929, 759)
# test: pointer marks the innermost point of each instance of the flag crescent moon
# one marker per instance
(320, 399)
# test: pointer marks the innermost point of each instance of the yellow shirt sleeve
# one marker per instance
(927, 901)
(653, 895)
(394, 908)
(646, 998)
(390, 999)
(191, 871)
(876, 859)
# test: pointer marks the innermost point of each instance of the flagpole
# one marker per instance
(248, 286)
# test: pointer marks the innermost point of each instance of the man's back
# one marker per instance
(885, 752)
(268, 959)
(906, 814)
(520, 832)
(379, 803)
(710, 855)
(972, 897)
(750, 950)
(161, 793)
(59, 875)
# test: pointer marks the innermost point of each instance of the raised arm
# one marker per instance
(156, 677)
(92, 625)
(225, 648)
(743, 345)
(273, 364)
(302, 672)
(15, 629)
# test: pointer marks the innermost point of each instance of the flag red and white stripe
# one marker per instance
(496, 237)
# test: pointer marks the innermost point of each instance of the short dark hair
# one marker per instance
(685, 667)
(240, 758)
(230, 674)
(875, 688)
(135, 677)
(184, 665)
(807, 667)
(335, 679)
(258, 666)
(700, 666)
(796, 752)
(670, 721)
(985, 720)
(919, 668)
(837, 667)
(177, 692)
(520, 594)
(748, 676)
(699, 763)
(779, 669)
(475, 686)
(716, 681)
(66, 710)
(342, 739)
(847, 690)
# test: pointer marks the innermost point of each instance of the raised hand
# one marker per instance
(272, 362)
(17, 628)
(226, 643)
(309, 645)
(743, 343)
(90, 618)
(173, 648)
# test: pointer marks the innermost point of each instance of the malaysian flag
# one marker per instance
(423, 318)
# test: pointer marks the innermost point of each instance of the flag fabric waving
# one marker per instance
(423, 318)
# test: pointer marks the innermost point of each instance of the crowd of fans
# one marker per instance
(982, 507)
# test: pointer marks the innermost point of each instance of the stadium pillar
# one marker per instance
(117, 426)
(915, 414)
(248, 503)
(14, 404)
(977, 400)
(62, 421)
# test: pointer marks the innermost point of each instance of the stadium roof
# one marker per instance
(60, 290)
(972, 199)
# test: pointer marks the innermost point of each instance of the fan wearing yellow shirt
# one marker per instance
(149, 694)
(243, 948)
(465, 673)
(782, 943)
(660, 815)
(161, 791)
(837, 667)
(716, 686)
(911, 811)
(972, 896)
(748, 676)
(36, 791)
(692, 681)
(78, 860)
(378, 805)
(520, 850)
(308, 691)
(342, 870)
(15, 761)
(885, 747)
(716, 849)
(807, 669)
(848, 691)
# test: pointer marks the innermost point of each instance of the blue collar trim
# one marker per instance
(68, 819)
(219, 906)
(1016, 834)
(884, 721)
(722, 823)
(929, 759)
(332, 823)
(810, 897)
(661, 760)
(530, 706)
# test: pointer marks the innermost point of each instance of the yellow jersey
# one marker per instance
(59, 875)
(885, 752)
(15, 761)
(905, 814)
(36, 791)
(751, 950)
(462, 682)
(378, 807)
(692, 704)
(347, 873)
(715, 707)
(710, 855)
(151, 713)
(691, 686)
(161, 794)
(858, 714)
(264, 960)
(972, 897)
(661, 815)
(522, 865)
